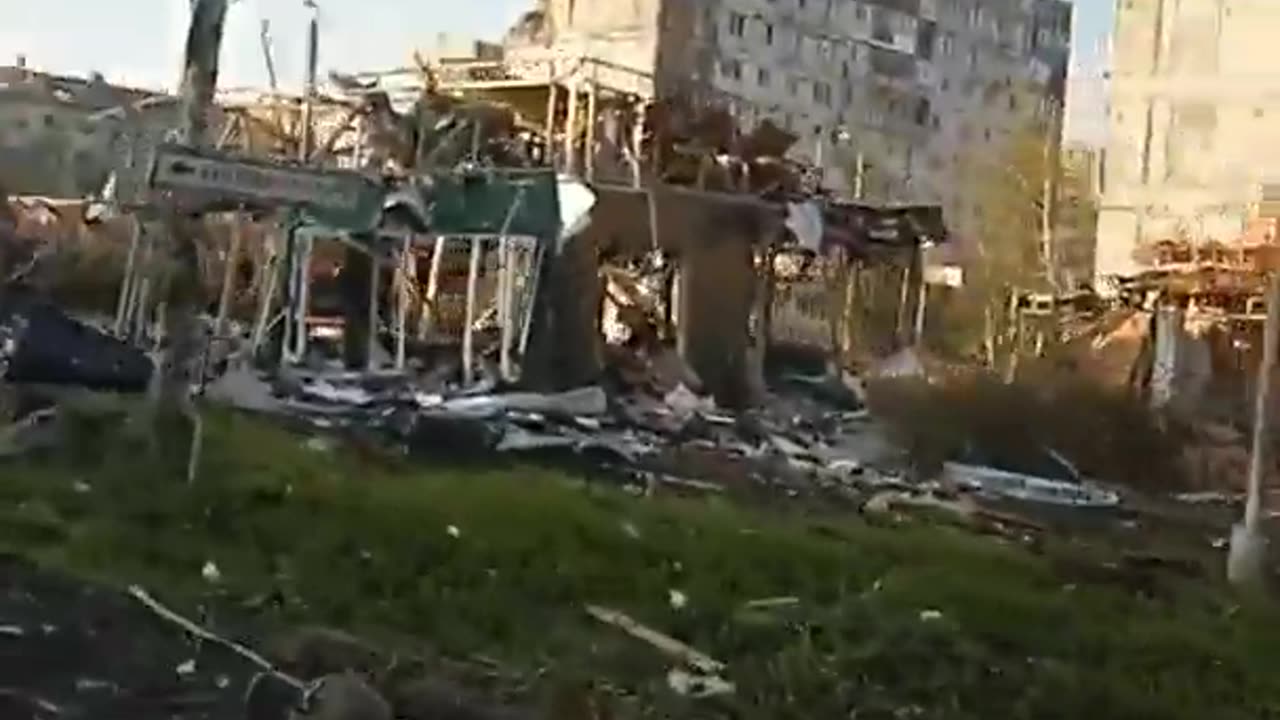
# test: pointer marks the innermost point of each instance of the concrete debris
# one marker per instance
(693, 685)
(990, 481)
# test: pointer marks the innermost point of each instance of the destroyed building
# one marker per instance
(910, 87)
(58, 136)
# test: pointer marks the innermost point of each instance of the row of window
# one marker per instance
(49, 121)
(1017, 39)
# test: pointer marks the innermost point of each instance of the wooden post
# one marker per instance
(266, 293)
(375, 280)
(301, 294)
(571, 130)
(468, 339)
(835, 311)
(428, 320)
(922, 302)
(637, 146)
(589, 153)
(506, 295)
(130, 277)
(403, 275)
(549, 133)
(229, 277)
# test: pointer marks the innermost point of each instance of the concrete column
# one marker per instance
(716, 285)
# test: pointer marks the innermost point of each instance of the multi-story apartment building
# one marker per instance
(911, 88)
(58, 134)
(1192, 125)
(1075, 235)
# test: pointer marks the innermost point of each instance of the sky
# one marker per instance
(139, 42)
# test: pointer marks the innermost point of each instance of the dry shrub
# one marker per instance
(1108, 435)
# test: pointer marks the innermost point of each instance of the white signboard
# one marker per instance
(176, 169)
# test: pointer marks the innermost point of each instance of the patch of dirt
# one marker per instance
(74, 650)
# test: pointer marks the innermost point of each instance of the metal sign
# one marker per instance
(341, 198)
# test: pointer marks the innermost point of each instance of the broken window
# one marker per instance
(731, 69)
(925, 37)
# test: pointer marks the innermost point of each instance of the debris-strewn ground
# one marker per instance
(71, 649)
(482, 576)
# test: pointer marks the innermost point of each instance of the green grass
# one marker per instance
(364, 544)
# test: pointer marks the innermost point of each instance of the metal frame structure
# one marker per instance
(518, 261)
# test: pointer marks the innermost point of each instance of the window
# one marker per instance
(737, 24)
(822, 93)
(49, 122)
(731, 69)
(948, 44)
(763, 77)
(1013, 102)
(922, 112)
(946, 84)
(861, 12)
(768, 34)
(793, 86)
(973, 58)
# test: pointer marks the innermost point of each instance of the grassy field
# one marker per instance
(904, 620)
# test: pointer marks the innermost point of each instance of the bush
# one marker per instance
(1106, 434)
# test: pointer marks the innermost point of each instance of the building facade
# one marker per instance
(1075, 234)
(890, 98)
(59, 136)
(1192, 125)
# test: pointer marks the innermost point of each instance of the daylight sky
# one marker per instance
(138, 42)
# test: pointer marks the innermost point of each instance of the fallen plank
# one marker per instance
(667, 644)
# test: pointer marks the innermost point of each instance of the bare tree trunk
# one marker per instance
(183, 289)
